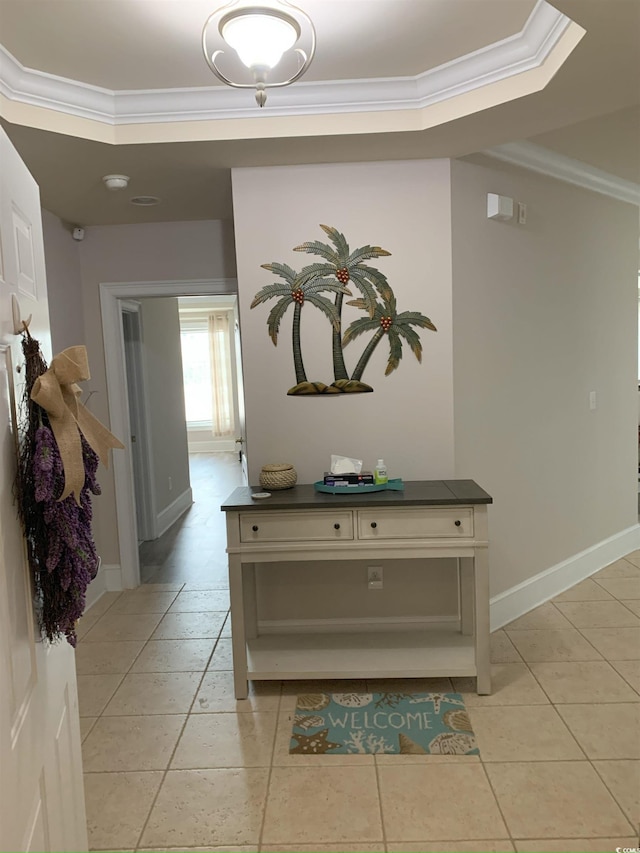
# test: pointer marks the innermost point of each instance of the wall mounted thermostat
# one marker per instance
(499, 207)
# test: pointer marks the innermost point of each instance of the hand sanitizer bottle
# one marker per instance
(380, 473)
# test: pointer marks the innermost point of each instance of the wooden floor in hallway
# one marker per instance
(193, 549)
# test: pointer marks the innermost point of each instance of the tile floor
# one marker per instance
(172, 761)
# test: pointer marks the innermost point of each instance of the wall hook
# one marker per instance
(19, 325)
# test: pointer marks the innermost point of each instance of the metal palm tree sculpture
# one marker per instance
(339, 267)
(296, 289)
(347, 266)
(386, 321)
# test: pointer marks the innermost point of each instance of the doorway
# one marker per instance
(207, 337)
(112, 296)
(141, 460)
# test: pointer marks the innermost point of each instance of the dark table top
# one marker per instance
(415, 493)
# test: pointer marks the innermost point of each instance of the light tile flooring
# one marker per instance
(173, 761)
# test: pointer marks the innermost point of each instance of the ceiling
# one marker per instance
(589, 110)
(146, 44)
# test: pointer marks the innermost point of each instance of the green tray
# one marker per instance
(391, 485)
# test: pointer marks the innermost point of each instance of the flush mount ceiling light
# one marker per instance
(261, 38)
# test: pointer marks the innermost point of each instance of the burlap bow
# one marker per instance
(58, 394)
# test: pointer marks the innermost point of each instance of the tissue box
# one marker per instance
(364, 479)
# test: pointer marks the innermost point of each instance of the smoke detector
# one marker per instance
(116, 182)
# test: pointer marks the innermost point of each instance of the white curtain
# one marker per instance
(221, 379)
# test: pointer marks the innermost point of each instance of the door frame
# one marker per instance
(110, 295)
(138, 404)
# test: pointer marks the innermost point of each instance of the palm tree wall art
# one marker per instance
(339, 270)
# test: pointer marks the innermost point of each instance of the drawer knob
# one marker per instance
(336, 526)
(374, 524)
(255, 528)
(457, 522)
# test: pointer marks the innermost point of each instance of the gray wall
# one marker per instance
(544, 314)
(165, 393)
(530, 321)
(163, 251)
(403, 207)
(64, 285)
(408, 419)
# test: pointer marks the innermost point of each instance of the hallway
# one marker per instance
(173, 761)
(193, 549)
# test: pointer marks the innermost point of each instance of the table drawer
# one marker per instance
(418, 523)
(296, 526)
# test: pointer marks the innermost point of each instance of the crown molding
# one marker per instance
(503, 60)
(536, 158)
(39, 89)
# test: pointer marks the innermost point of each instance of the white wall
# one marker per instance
(165, 251)
(64, 284)
(544, 314)
(165, 392)
(408, 419)
(403, 207)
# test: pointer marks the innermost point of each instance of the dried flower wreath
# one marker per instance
(54, 504)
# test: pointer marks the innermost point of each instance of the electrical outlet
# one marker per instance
(522, 213)
(374, 577)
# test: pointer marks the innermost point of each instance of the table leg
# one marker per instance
(481, 606)
(466, 595)
(250, 601)
(238, 636)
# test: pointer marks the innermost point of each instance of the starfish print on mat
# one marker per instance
(313, 744)
(437, 698)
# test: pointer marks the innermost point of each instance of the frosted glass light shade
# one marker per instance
(256, 37)
(259, 39)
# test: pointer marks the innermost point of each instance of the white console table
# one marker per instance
(431, 518)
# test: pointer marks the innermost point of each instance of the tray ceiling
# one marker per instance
(367, 49)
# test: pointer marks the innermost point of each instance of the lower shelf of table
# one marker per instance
(403, 654)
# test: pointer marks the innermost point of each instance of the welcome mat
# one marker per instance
(382, 723)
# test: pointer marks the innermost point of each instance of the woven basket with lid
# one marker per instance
(282, 476)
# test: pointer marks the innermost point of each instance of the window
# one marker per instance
(206, 365)
(196, 369)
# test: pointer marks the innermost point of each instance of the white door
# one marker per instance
(41, 793)
(238, 394)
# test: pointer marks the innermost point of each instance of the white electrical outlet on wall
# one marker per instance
(374, 577)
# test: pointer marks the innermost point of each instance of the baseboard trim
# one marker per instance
(356, 625)
(504, 608)
(108, 579)
(169, 515)
(531, 593)
(220, 445)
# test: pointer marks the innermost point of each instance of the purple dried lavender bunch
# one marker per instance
(71, 561)
(46, 463)
(60, 547)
